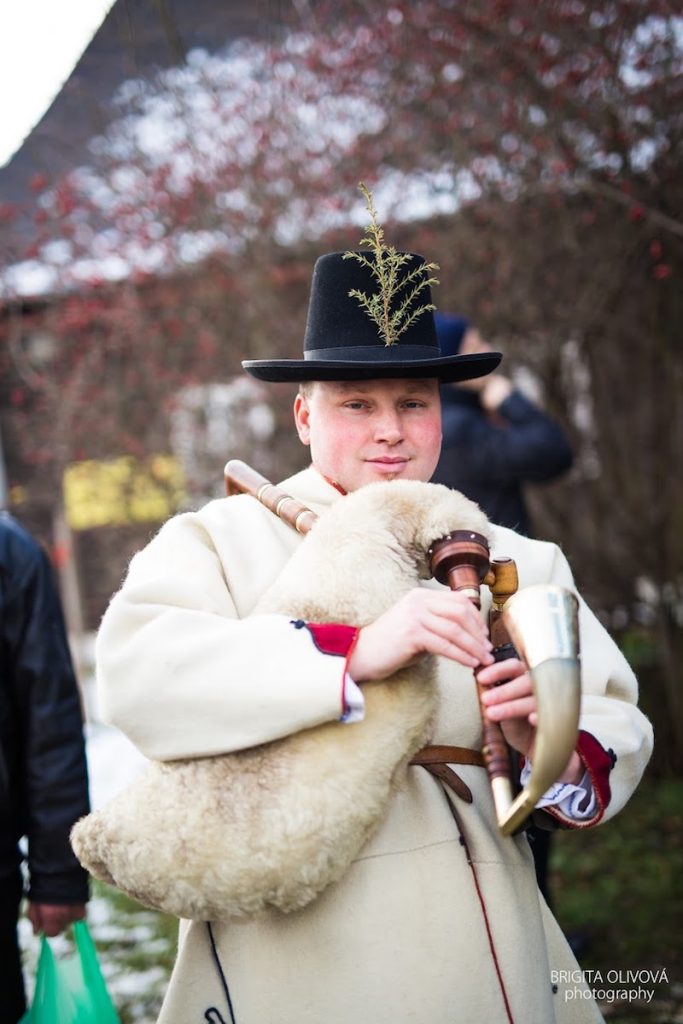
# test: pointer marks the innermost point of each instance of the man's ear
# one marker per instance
(302, 418)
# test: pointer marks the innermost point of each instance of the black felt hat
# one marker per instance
(343, 342)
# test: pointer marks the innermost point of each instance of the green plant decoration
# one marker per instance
(385, 265)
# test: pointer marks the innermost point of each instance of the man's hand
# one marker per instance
(509, 700)
(53, 918)
(424, 621)
(492, 389)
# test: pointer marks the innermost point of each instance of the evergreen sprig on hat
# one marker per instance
(370, 317)
(395, 290)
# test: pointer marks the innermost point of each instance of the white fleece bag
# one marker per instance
(272, 826)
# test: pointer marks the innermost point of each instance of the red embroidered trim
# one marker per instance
(344, 702)
(599, 763)
(489, 934)
(482, 904)
(332, 638)
(333, 483)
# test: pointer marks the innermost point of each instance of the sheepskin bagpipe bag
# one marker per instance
(272, 826)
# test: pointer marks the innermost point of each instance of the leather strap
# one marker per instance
(442, 754)
(437, 760)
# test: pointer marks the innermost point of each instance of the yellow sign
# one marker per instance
(121, 491)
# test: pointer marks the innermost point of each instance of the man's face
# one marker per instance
(363, 431)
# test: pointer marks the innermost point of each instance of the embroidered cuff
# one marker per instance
(330, 637)
(338, 640)
(598, 763)
(576, 802)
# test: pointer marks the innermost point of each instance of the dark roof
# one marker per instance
(136, 38)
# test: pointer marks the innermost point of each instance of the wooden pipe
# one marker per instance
(242, 479)
(461, 562)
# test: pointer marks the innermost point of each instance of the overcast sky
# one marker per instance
(40, 44)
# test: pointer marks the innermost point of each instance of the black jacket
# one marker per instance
(43, 775)
(489, 461)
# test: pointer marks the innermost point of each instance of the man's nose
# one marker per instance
(388, 427)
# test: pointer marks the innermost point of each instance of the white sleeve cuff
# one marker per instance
(576, 802)
(354, 702)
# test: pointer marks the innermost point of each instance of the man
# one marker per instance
(438, 919)
(43, 777)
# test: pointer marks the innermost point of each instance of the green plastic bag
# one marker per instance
(71, 989)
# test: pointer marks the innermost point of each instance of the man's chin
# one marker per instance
(384, 473)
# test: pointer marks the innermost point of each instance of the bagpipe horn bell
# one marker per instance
(542, 621)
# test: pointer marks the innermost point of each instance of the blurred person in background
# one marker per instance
(43, 774)
(495, 441)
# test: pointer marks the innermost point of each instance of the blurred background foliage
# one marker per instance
(533, 151)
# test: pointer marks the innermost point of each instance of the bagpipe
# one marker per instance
(272, 826)
(539, 624)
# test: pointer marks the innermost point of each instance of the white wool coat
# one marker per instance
(187, 671)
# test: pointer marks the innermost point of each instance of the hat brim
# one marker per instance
(448, 369)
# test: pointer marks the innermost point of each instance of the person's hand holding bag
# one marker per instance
(70, 989)
(52, 918)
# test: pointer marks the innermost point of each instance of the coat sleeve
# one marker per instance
(184, 676)
(55, 783)
(521, 444)
(616, 739)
